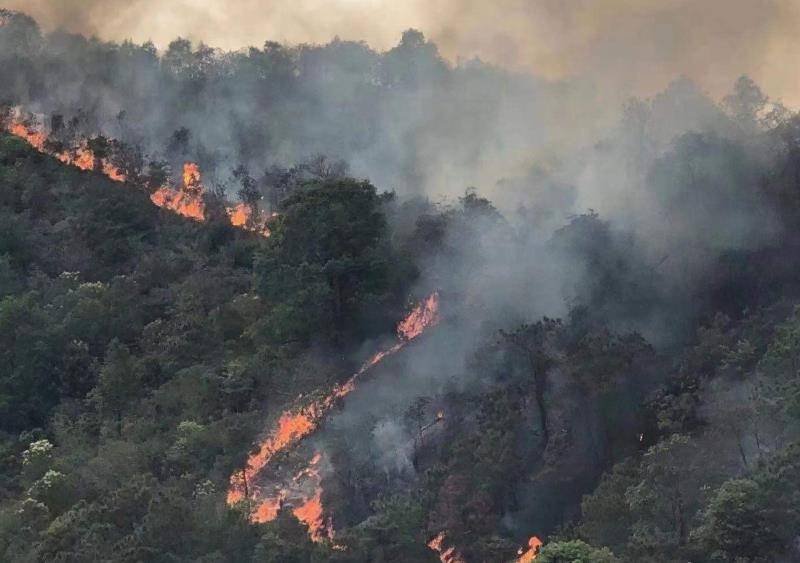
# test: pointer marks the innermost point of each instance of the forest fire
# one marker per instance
(529, 553)
(292, 427)
(306, 491)
(186, 200)
(446, 555)
(191, 176)
(241, 215)
(36, 139)
(423, 316)
(81, 157)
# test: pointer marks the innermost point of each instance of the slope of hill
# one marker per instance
(610, 383)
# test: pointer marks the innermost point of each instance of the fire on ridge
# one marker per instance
(185, 200)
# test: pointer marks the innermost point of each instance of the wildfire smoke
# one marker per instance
(292, 427)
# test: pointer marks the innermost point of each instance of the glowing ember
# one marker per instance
(446, 555)
(292, 427)
(526, 555)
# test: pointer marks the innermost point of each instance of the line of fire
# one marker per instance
(265, 493)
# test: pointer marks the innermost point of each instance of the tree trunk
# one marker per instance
(540, 381)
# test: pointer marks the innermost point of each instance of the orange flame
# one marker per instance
(423, 316)
(292, 427)
(446, 555)
(34, 138)
(310, 512)
(309, 509)
(191, 176)
(532, 551)
(186, 200)
(241, 215)
(81, 157)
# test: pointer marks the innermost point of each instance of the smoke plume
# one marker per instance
(634, 47)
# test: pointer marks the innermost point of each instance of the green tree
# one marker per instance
(327, 266)
(28, 362)
(667, 496)
(606, 515)
(741, 523)
(746, 103)
(574, 551)
(396, 532)
(118, 384)
(285, 540)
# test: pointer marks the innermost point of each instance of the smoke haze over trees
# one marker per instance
(612, 367)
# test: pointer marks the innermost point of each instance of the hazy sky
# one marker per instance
(629, 45)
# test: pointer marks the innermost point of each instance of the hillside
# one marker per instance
(219, 344)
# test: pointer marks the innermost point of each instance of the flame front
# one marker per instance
(186, 200)
(532, 551)
(423, 316)
(292, 427)
(446, 555)
(81, 156)
(34, 138)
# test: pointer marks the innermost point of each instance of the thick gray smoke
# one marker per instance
(625, 210)
(618, 45)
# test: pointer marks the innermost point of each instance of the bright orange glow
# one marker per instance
(292, 427)
(305, 494)
(83, 159)
(446, 555)
(113, 173)
(186, 200)
(241, 215)
(191, 175)
(423, 316)
(310, 513)
(526, 555)
(35, 138)
(268, 510)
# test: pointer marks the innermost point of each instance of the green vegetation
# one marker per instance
(138, 364)
(625, 386)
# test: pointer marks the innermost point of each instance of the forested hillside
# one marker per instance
(599, 362)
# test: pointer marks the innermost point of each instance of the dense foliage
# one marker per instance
(142, 354)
